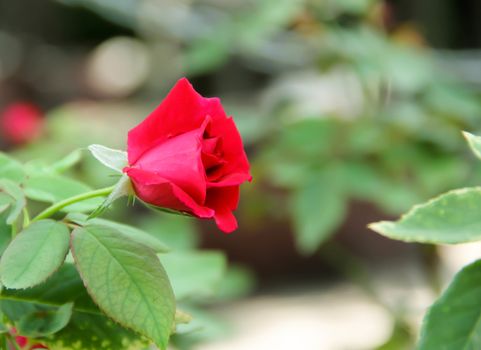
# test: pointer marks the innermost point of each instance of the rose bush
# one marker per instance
(187, 155)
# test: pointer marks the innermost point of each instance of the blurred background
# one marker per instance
(350, 110)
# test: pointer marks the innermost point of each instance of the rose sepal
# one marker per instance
(121, 189)
(117, 161)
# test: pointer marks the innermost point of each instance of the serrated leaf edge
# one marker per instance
(107, 314)
(380, 226)
(47, 277)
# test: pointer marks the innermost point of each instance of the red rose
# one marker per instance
(187, 155)
(21, 122)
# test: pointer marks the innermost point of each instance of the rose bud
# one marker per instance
(21, 123)
(187, 155)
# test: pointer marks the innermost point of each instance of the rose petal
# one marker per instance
(233, 149)
(230, 180)
(210, 162)
(181, 111)
(179, 160)
(212, 154)
(211, 145)
(224, 200)
(225, 220)
(158, 191)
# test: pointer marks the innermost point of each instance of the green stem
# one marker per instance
(26, 217)
(14, 229)
(66, 202)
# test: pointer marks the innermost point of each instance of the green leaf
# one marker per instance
(130, 232)
(237, 282)
(35, 254)
(194, 274)
(42, 323)
(270, 16)
(111, 158)
(95, 332)
(126, 280)
(177, 232)
(88, 328)
(11, 169)
(15, 192)
(450, 218)
(454, 321)
(85, 331)
(317, 208)
(68, 287)
(15, 310)
(67, 162)
(5, 202)
(474, 143)
(206, 54)
(5, 233)
(39, 167)
(53, 188)
(3, 327)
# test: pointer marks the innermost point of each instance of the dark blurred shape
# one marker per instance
(270, 250)
(55, 23)
(446, 24)
(21, 123)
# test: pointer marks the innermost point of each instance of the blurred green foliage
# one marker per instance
(333, 103)
(345, 110)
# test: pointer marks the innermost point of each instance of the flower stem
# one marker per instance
(66, 202)
(26, 217)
